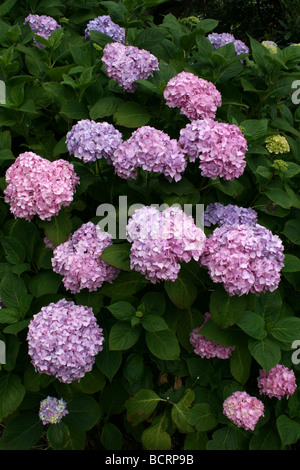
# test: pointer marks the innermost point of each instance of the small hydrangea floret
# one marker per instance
(52, 410)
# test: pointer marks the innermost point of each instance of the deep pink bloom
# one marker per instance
(278, 382)
(243, 410)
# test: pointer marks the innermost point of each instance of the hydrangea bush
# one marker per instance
(171, 322)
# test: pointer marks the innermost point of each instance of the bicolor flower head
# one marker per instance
(279, 382)
(52, 410)
(243, 410)
(104, 24)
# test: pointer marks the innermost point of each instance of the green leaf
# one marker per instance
(58, 228)
(265, 438)
(141, 406)
(156, 437)
(127, 283)
(105, 106)
(11, 393)
(84, 412)
(181, 412)
(153, 303)
(201, 417)
(12, 288)
(291, 264)
(254, 129)
(22, 432)
(288, 429)
(292, 230)
(163, 344)
(111, 437)
(253, 325)
(189, 320)
(44, 283)
(265, 351)
(7, 6)
(240, 363)
(122, 310)
(92, 382)
(279, 196)
(223, 439)
(286, 330)
(122, 336)
(74, 110)
(58, 435)
(117, 255)
(9, 315)
(15, 251)
(212, 331)
(131, 115)
(181, 292)
(195, 441)
(109, 362)
(226, 310)
(154, 323)
(134, 368)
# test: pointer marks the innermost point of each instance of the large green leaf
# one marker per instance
(122, 336)
(226, 310)
(163, 344)
(84, 412)
(132, 115)
(22, 432)
(12, 392)
(265, 351)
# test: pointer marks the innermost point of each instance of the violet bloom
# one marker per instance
(42, 25)
(77, 259)
(244, 258)
(161, 241)
(218, 40)
(126, 64)
(90, 140)
(207, 348)
(63, 340)
(279, 382)
(52, 410)
(39, 187)
(243, 410)
(220, 147)
(152, 150)
(105, 25)
(197, 98)
(218, 214)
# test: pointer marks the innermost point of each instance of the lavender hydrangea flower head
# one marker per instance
(39, 187)
(244, 258)
(243, 410)
(126, 64)
(218, 214)
(63, 340)
(218, 40)
(52, 410)
(105, 25)
(152, 150)
(90, 140)
(207, 348)
(220, 147)
(42, 25)
(279, 382)
(161, 240)
(197, 98)
(77, 259)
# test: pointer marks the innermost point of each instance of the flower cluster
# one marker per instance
(42, 25)
(90, 140)
(218, 214)
(218, 40)
(152, 150)
(105, 25)
(271, 46)
(220, 147)
(63, 340)
(197, 98)
(77, 259)
(161, 240)
(207, 348)
(279, 382)
(126, 64)
(277, 144)
(52, 410)
(244, 258)
(243, 410)
(280, 165)
(37, 186)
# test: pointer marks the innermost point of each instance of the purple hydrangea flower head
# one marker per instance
(37, 186)
(218, 40)
(161, 240)
(52, 410)
(197, 98)
(207, 348)
(42, 25)
(63, 340)
(244, 258)
(220, 147)
(77, 259)
(126, 64)
(243, 410)
(218, 214)
(152, 150)
(279, 382)
(90, 140)
(105, 25)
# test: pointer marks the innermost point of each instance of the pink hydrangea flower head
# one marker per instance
(126, 64)
(39, 187)
(63, 340)
(161, 240)
(207, 348)
(279, 382)
(152, 150)
(52, 410)
(218, 214)
(77, 259)
(220, 147)
(197, 98)
(243, 410)
(42, 25)
(90, 140)
(244, 258)
(105, 25)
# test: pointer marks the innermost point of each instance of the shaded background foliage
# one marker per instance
(147, 388)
